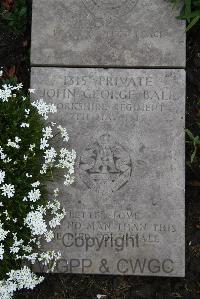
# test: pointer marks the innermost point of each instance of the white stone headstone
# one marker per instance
(125, 33)
(125, 211)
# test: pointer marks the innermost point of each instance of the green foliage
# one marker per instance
(190, 11)
(14, 19)
(194, 142)
(12, 114)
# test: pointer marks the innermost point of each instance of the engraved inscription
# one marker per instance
(119, 33)
(125, 211)
(108, 98)
(105, 166)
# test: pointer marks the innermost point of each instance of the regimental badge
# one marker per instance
(109, 8)
(105, 165)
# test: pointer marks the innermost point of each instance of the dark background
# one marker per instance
(15, 58)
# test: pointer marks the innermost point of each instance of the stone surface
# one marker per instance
(107, 33)
(125, 212)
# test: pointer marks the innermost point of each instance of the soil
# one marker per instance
(14, 57)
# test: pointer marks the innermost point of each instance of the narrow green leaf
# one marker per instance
(189, 133)
(193, 155)
(192, 23)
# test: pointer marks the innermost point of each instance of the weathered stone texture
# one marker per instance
(125, 212)
(107, 33)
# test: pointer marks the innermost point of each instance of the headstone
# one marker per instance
(125, 33)
(125, 211)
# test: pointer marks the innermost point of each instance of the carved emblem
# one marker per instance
(105, 166)
(109, 8)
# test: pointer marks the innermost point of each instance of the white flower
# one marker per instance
(56, 192)
(44, 169)
(5, 92)
(17, 139)
(18, 86)
(50, 155)
(7, 160)
(34, 195)
(31, 90)
(52, 108)
(64, 133)
(67, 160)
(24, 278)
(7, 215)
(43, 143)
(36, 184)
(12, 144)
(28, 175)
(54, 206)
(3, 233)
(24, 125)
(1, 73)
(49, 236)
(7, 289)
(1, 150)
(56, 220)
(36, 223)
(16, 245)
(3, 156)
(1, 251)
(8, 190)
(31, 147)
(27, 248)
(68, 180)
(2, 176)
(43, 108)
(27, 111)
(47, 132)
(47, 257)
(40, 218)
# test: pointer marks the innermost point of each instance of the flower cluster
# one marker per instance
(6, 91)
(43, 108)
(17, 280)
(31, 154)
